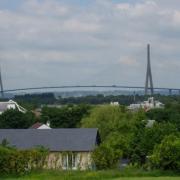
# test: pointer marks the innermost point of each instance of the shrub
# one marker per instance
(145, 139)
(167, 154)
(13, 161)
(105, 157)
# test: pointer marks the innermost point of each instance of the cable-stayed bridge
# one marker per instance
(146, 88)
(93, 86)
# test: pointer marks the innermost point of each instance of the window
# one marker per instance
(74, 161)
(65, 161)
(69, 161)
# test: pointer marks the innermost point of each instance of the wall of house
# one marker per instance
(55, 161)
(11, 106)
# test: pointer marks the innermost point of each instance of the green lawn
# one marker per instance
(122, 178)
(148, 178)
(97, 175)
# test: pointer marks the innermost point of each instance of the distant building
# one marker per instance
(147, 105)
(68, 148)
(4, 106)
(114, 103)
(39, 125)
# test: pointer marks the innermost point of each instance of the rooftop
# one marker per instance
(75, 139)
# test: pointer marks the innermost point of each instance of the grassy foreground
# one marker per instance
(97, 175)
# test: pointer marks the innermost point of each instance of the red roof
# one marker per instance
(36, 125)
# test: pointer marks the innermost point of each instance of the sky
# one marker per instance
(89, 42)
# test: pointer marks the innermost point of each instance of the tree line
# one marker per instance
(31, 101)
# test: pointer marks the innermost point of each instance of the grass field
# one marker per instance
(97, 175)
(122, 178)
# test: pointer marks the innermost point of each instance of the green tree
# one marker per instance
(64, 117)
(16, 119)
(145, 139)
(167, 154)
(110, 119)
(171, 114)
(106, 157)
(116, 126)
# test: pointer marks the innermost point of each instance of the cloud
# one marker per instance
(123, 6)
(176, 18)
(128, 61)
(103, 42)
(47, 8)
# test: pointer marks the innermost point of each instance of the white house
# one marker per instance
(11, 105)
(147, 105)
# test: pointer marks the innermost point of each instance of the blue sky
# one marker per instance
(15, 4)
(70, 42)
(9, 4)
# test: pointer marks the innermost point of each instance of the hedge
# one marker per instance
(13, 161)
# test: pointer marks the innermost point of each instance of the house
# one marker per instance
(4, 106)
(146, 105)
(39, 125)
(69, 148)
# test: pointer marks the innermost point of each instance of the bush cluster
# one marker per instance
(106, 157)
(13, 161)
(166, 155)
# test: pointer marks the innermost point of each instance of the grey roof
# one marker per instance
(72, 139)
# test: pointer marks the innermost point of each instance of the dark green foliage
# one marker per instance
(122, 99)
(98, 99)
(105, 157)
(13, 161)
(167, 154)
(64, 117)
(16, 119)
(33, 101)
(145, 139)
(171, 113)
(36, 99)
(49, 98)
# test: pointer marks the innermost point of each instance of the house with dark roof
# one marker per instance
(68, 148)
(39, 125)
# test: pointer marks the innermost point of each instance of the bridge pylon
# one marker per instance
(1, 85)
(148, 74)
